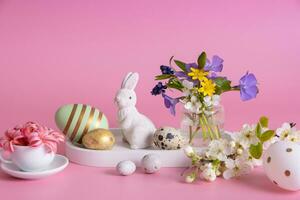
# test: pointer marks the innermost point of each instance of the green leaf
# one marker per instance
(180, 64)
(216, 163)
(265, 136)
(223, 84)
(258, 130)
(170, 61)
(174, 87)
(175, 84)
(163, 76)
(201, 60)
(218, 91)
(256, 150)
(264, 121)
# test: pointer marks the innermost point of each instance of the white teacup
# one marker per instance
(30, 158)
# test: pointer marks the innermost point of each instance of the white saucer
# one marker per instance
(58, 164)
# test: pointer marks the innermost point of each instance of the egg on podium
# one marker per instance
(76, 120)
(99, 139)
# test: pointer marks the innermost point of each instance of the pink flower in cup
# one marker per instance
(31, 134)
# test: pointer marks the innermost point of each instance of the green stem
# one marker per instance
(207, 126)
(204, 133)
(213, 129)
(218, 131)
(194, 133)
(190, 134)
(234, 88)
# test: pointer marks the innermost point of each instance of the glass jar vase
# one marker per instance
(204, 126)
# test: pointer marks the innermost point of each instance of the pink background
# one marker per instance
(58, 52)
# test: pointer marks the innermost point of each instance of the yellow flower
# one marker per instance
(198, 74)
(207, 87)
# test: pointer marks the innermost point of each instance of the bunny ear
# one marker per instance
(131, 81)
(125, 79)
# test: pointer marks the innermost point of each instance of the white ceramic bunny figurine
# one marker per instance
(137, 129)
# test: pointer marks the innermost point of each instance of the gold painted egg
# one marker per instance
(99, 139)
(76, 120)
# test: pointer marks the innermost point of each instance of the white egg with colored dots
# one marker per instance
(151, 163)
(126, 167)
(281, 162)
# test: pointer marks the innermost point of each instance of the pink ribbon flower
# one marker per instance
(31, 134)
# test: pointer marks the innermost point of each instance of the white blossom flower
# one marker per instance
(268, 143)
(237, 167)
(218, 172)
(248, 158)
(188, 150)
(246, 136)
(294, 136)
(227, 135)
(232, 144)
(255, 162)
(190, 178)
(189, 120)
(194, 105)
(219, 149)
(286, 132)
(212, 100)
(188, 86)
(239, 151)
(209, 173)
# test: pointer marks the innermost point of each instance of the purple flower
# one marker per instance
(215, 65)
(159, 89)
(181, 74)
(166, 69)
(248, 87)
(189, 66)
(170, 103)
(213, 75)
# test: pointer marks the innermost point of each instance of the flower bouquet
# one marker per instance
(200, 87)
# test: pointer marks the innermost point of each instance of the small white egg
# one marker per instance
(151, 163)
(126, 167)
(281, 164)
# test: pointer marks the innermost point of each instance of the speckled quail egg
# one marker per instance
(151, 163)
(168, 138)
(126, 167)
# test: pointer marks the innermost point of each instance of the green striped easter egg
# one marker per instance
(76, 120)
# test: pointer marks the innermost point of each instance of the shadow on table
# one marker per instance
(259, 181)
(6, 177)
(111, 172)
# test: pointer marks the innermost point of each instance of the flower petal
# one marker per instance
(228, 174)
